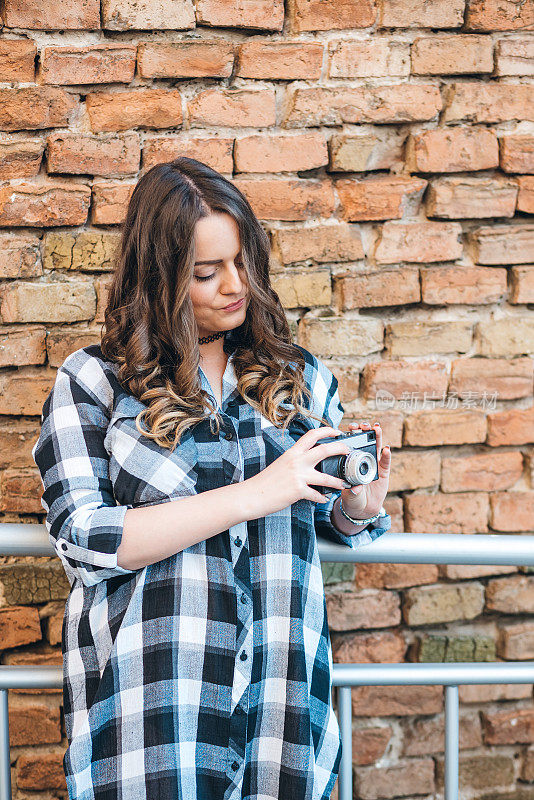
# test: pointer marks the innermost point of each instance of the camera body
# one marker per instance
(360, 466)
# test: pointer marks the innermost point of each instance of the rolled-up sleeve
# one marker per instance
(82, 519)
(328, 405)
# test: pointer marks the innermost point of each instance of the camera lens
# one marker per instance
(359, 467)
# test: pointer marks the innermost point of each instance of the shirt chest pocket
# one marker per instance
(276, 440)
(141, 471)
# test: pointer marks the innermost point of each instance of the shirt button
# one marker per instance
(243, 656)
(235, 765)
(244, 598)
(238, 542)
(63, 546)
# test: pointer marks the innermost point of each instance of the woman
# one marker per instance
(178, 464)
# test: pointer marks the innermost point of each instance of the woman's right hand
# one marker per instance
(289, 476)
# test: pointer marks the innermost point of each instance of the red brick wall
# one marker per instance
(388, 148)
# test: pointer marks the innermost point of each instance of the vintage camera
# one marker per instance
(357, 467)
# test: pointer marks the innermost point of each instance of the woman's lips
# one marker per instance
(234, 306)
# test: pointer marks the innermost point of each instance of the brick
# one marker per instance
(522, 284)
(20, 255)
(19, 625)
(24, 392)
(486, 472)
(381, 56)
(513, 595)
(109, 63)
(109, 201)
(527, 772)
(22, 346)
(394, 576)
(409, 338)
(511, 426)
(17, 437)
(442, 603)
(502, 244)
(517, 153)
(447, 513)
(319, 243)
(377, 647)
(329, 106)
(510, 378)
(525, 197)
(516, 641)
(452, 150)
(216, 152)
(54, 624)
(39, 655)
(234, 108)
(499, 15)
(40, 771)
(288, 198)
(35, 724)
(280, 153)
(370, 608)
(508, 727)
(526, 793)
(333, 336)
(29, 584)
(456, 198)
(369, 744)
(280, 60)
(86, 251)
(21, 158)
(17, 60)
(444, 427)
(389, 287)
(366, 151)
(44, 204)
(419, 242)
(515, 56)
(110, 156)
(325, 15)
(204, 59)
(66, 301)
(35, 107)
(415, 776)
(452, 55)
(385, 701)
(487, 693)
(432, 648)
(421, 14)
(483, 771)
(489, 102)
(147, 108)
(463, 284)
(41, 15)
(263, 14)
(463, 572)
(427, 736)
(506, 337)
(303, 289)
(512, 511)
(398, 377)
(379, 198)
(126, 15)
(414, 470)
(62, 341)
(20, 491)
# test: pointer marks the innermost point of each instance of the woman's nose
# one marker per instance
(231, 279)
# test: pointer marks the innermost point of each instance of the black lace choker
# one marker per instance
(211, 338)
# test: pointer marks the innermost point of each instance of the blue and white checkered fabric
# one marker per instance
(207, 675)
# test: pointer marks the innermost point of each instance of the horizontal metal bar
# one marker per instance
(436, 674)
(27, 539)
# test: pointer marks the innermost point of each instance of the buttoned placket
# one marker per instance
(233, 466)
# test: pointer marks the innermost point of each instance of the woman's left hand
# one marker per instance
(366, 500)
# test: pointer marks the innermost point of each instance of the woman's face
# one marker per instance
(223, 280)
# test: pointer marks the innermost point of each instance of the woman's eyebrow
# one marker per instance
(214, 261)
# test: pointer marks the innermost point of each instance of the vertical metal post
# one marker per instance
(452, 742)
(5, 762)
(344, 705)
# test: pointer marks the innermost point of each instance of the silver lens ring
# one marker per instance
(360, 467)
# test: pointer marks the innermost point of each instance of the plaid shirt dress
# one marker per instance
(206, 675)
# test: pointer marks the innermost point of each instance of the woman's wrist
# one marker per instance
(341, 522)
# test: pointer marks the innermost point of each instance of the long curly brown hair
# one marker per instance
(150, 327)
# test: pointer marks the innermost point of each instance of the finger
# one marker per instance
(384, 465)
(324, 479)
(309, 438)
(378, 431)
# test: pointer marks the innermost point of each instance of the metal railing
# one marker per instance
(393, 548)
